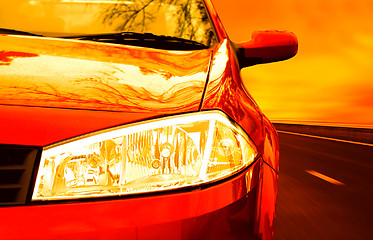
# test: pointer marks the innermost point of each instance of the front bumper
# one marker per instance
(223, 210)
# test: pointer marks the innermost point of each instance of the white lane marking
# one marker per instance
(326, 124)
(327, 138)
(324, 177)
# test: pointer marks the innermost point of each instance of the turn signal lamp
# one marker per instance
(162, 154)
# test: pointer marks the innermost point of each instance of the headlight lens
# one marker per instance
(156, 155)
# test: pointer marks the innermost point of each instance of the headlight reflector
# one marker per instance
(161, 154)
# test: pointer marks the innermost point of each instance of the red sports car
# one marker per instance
(128, 119)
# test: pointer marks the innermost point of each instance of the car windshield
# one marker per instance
(177, 19)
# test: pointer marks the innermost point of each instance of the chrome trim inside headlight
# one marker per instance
(155, 155)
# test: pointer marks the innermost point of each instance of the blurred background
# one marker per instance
(326, 94)
(330, 79)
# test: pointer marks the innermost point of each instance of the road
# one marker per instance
(335, 205)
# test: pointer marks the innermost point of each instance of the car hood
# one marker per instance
(53, 89)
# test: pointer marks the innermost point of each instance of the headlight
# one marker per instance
(161, 154)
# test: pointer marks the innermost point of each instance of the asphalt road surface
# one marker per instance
(325, 189)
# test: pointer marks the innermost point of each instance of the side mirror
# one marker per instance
(266, 47)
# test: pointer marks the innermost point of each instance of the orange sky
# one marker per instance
(330, 80)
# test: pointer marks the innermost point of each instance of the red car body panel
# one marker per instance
(226, 92)
(38, 126)
(186, 215)
(70, 77)
(63, 73)
(46, 98)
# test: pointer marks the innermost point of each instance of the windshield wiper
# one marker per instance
(17, 32)
(144, 40)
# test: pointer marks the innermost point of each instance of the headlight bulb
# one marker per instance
(156, 155)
